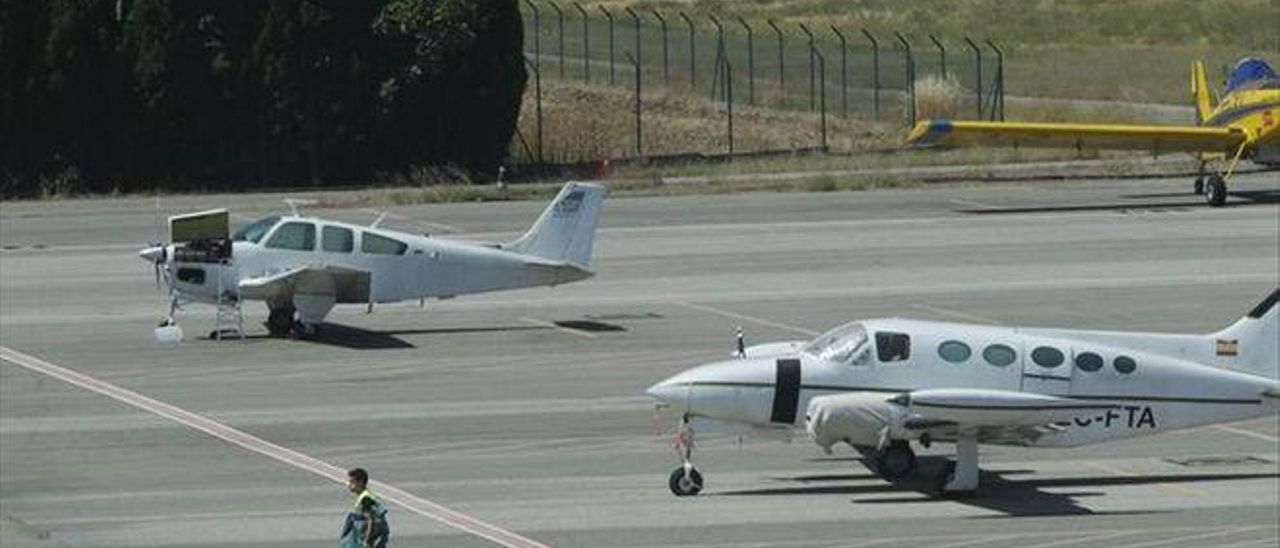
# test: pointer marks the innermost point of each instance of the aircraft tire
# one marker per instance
(1215, 191)
(896, 461)
(280, 321)
(682, 486)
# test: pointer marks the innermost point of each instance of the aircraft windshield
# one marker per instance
(844, 344)
(1251, 72)
(253, 232)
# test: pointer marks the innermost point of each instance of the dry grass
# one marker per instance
(938, 97)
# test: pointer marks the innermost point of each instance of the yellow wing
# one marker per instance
(1081, 136)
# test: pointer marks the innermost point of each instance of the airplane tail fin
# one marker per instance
(1250, 344)
(1200, 92)
(566, 230)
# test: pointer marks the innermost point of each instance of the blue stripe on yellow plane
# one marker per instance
(1245, 124)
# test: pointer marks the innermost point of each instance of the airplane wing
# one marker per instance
(995, 416)
(345, 284)
(1082, 136)
(992, 416)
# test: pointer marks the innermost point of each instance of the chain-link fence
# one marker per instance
(644, 68)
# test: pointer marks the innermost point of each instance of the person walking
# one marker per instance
(366, 524)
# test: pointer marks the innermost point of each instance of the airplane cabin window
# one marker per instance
(999, 355)
(1124, 364)
(954, 351)
(194, 276)
(253, 232)
(381, 245)
(1047, 357)
(294, 235)
(845, 344)
(1088, 361)
(893, 347)
(337, 239)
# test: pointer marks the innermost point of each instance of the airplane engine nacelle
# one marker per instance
(859, 418)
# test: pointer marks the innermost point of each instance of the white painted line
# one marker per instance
(1249, 433)
(1186, 541)
(558, 327)
(735, 315)
(971, 203)
(288, 456)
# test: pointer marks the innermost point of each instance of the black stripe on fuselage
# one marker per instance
(786, 398)
(839, 388)
(1266, 304)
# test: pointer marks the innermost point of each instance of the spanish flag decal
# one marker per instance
(1228, 347)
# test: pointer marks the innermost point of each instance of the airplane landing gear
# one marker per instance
(1198, 188)
(280, 320)
(685, 481)
(895, 461)
(959, 478)
(1215, 190)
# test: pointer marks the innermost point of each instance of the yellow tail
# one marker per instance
(1200, 92)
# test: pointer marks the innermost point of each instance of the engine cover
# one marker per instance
(858, 418)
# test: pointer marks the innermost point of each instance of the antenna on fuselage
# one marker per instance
(295, 202)
(378, 221)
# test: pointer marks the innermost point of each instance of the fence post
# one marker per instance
(910, 76)
(997, 99)
(693, 51)
(875, 73)
(782, 78)
(942, 54)
(560, 32)
(666, 71)
(636, 19)
(715, 78)
(844, 73)
(537, 101)
(586, 45)
(636, 63)
(751, 62)
(822, 97)
(805, 30)
(977, 57)
(609, 16)
(728, 98)
(537, 32)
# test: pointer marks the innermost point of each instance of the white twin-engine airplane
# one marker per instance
(878, 385)
(302, 266)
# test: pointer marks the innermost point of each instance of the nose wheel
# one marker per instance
(685, 481)
(895, 461)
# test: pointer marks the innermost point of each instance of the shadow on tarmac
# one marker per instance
(1011, 498)
(1250, 198)
(356, 338)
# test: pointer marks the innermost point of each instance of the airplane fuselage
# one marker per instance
(1150, 391)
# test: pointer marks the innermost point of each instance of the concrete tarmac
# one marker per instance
(526, 409)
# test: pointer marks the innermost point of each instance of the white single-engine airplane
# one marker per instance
(877, 385)
(302, 266)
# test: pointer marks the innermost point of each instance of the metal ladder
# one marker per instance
(229, 317)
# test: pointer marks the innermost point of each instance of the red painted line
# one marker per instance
(404, 499)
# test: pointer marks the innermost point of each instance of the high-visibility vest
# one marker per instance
(380, 528)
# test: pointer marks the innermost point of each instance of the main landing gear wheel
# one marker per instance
(1215, 191)
(895, 461)
(280, 321)
(685, 481)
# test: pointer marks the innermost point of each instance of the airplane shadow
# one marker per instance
(1011, 498)
(1250, 197)
(356, 338)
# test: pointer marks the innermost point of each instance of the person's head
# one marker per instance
(357, 480)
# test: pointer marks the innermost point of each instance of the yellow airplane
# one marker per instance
(1244, 124)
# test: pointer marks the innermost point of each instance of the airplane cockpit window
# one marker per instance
(1251, 73)
(337, 239)
(381, 245)
(253, 232)
(844, 344)
(294, 235)
(893, 347)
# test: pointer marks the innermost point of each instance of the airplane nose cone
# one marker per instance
(668, 392)
(152, 254)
